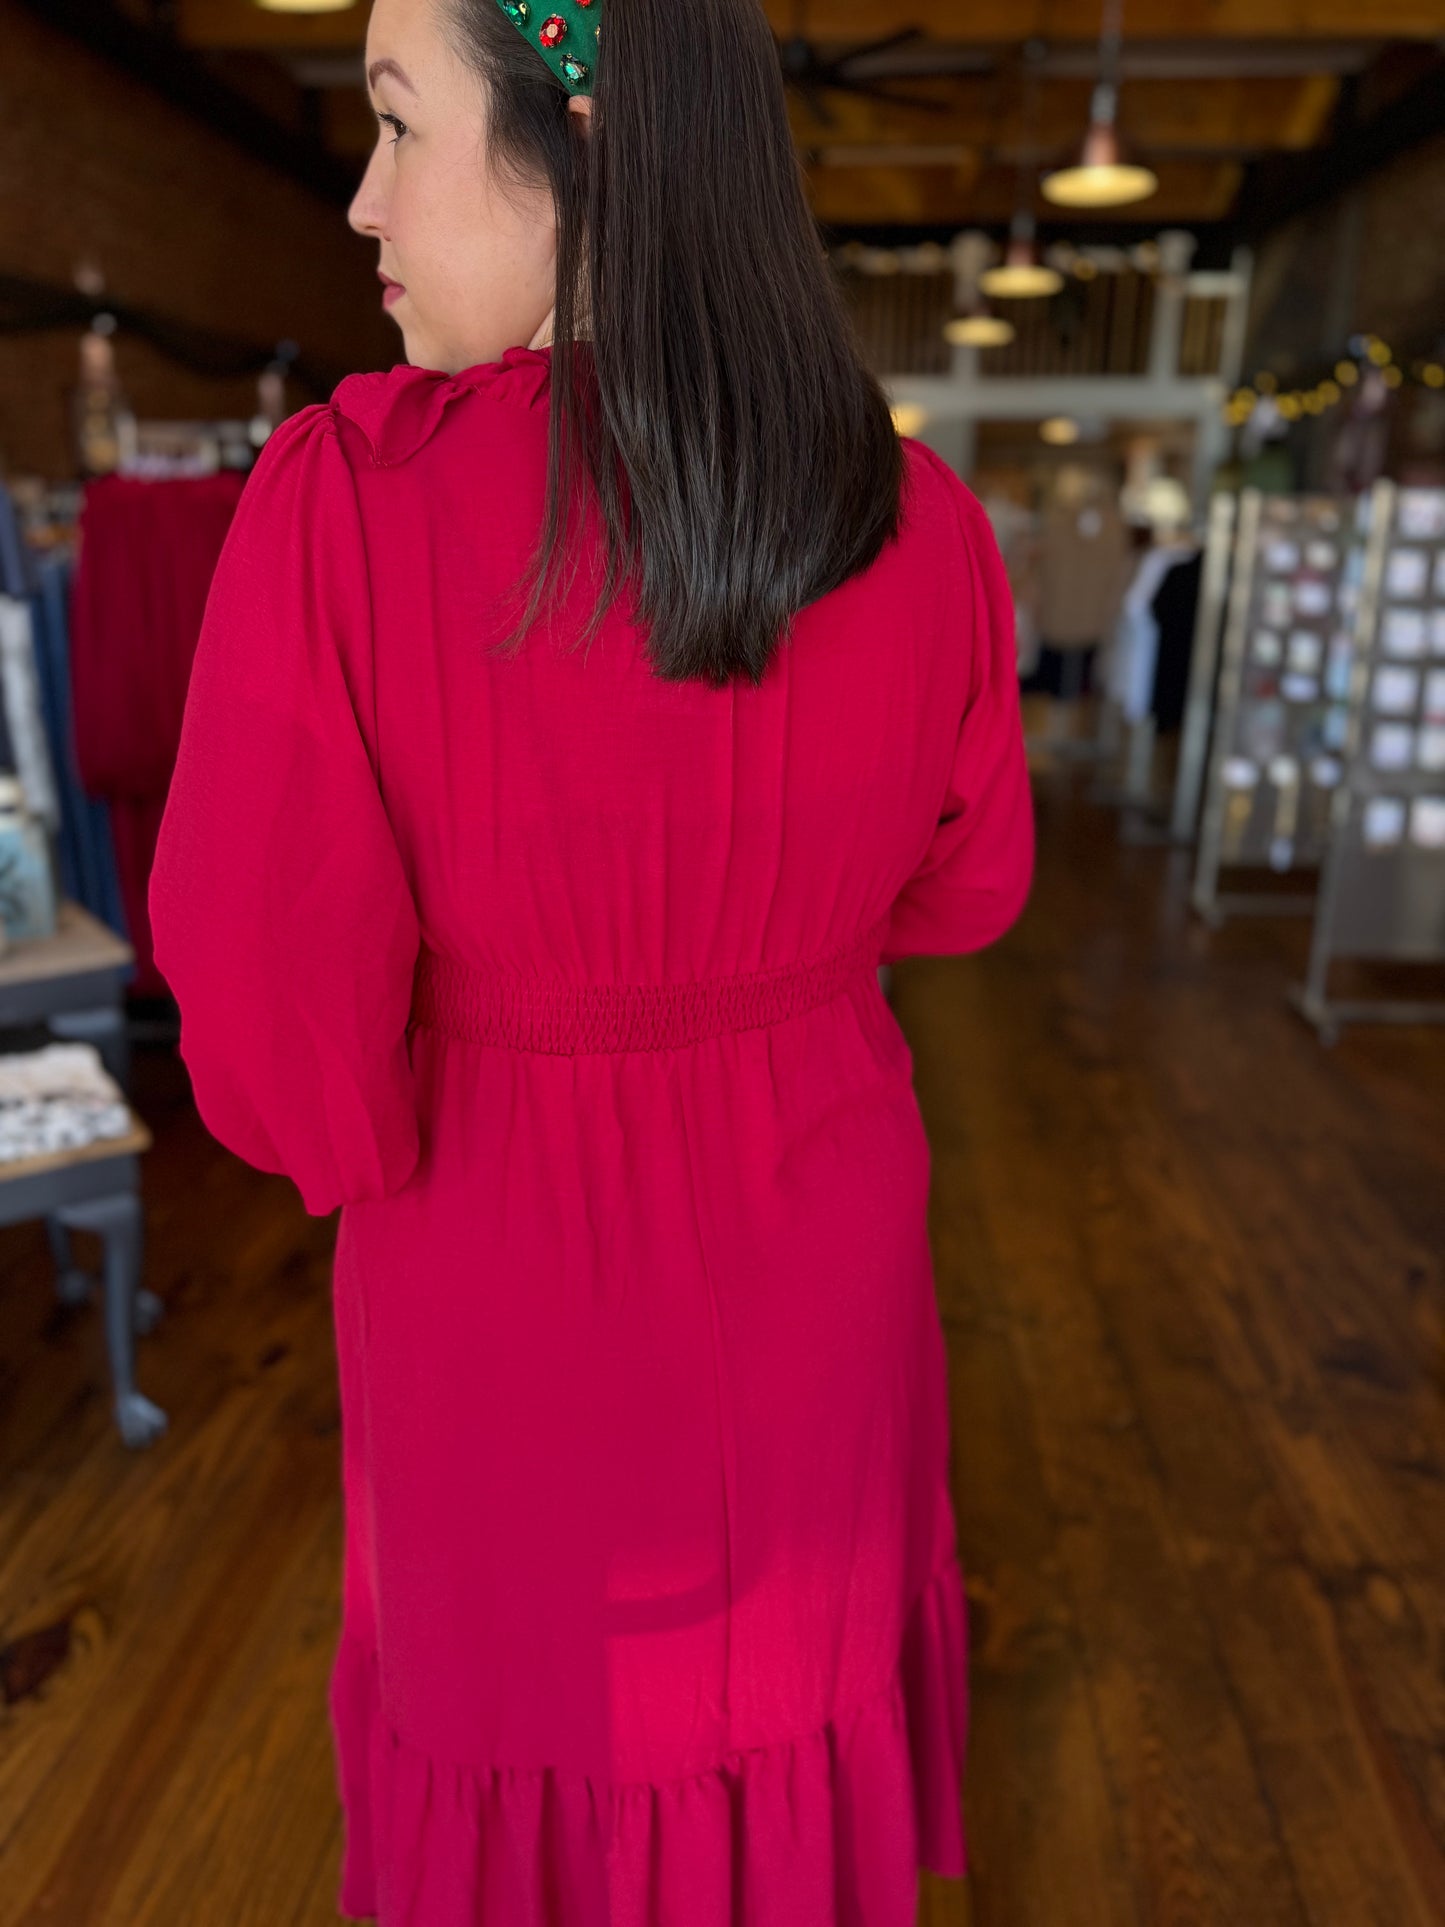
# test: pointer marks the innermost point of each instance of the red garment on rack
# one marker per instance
(147, 553)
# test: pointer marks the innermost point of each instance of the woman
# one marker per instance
(555, 967)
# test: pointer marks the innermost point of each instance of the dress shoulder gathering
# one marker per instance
(560, 981)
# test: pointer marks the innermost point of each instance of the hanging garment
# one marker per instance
(84, 848)
(17, 564)
(148, 550)
(1015, 529)
(1176, 608)
(24, 714)
(561, 981)
(1065, 673)
(1083, 570)
(1135, 651)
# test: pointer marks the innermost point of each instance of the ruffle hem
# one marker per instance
(829, 1830)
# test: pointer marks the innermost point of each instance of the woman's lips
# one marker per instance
(391, 294)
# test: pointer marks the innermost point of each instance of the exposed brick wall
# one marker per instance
(1401, 292)
(1367, 260)
(182, 221)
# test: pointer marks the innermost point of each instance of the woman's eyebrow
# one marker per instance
(386, 65)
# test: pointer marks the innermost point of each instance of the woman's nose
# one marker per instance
(366, 210)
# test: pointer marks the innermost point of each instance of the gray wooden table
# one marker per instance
(74, 984)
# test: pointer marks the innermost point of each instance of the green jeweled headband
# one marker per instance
(562, 38)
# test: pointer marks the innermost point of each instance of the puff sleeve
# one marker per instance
(977, 872)
(281, 914)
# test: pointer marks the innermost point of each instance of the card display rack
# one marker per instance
(1282, 717)
(1382, 891)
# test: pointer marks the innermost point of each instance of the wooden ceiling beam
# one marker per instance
(1157, 116)
(952, 197)
(1196, 132)
(1004, 22)
(217, 24)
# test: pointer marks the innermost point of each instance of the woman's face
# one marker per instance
(475, 257)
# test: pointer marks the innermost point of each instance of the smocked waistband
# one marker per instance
(537, 1014)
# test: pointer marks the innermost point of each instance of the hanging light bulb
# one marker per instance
(1102, 176)
(972, 325)
(979, 329)
(1021, 275)
(304, 6)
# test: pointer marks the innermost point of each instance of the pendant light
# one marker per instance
(980, 328)
(303, 6)
(1103, 176)
(1021, 275)
(973, 324)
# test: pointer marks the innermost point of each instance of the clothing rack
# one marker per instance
(37, 564)
(168, 450)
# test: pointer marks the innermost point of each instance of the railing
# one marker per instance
(1098, 324)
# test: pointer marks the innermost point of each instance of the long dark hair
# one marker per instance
(743, 456)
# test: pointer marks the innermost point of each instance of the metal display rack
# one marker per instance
(1382, 895)
(1283, 711)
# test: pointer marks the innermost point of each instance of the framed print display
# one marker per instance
(1382, 892)
(1285, 687)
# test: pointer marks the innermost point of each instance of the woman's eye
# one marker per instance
(390, 120)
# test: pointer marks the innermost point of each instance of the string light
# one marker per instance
(1368, 352)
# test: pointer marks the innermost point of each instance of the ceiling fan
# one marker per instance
(813, 73)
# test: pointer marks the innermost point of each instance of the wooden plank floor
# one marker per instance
(1190, 1267)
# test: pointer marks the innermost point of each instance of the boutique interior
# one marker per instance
(1164, 283)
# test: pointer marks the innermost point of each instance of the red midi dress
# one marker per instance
(561, 982)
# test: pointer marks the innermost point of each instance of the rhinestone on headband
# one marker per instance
(558, 36)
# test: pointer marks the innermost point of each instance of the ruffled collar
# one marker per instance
(398, 409)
